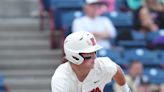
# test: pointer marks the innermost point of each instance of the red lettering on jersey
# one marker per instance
(93, 41)
(96, 90)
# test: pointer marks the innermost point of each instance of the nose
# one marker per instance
(94, 55)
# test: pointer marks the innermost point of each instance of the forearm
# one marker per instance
(146, 20)
(119, 77)
(102, 35)
(120, 80)
(150, 26)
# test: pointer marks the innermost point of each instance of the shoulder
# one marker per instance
(61, 79)
(62, 68)
(106, 63)
(107, 67)
(63, 72)
(105, 60)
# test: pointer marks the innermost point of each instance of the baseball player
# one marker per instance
(84, 72)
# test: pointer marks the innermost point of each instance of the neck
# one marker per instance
(80, 72)
(91, 16)
(133, 75)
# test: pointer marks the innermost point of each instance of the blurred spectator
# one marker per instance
(100, 26)
(150, 16)
(107, 6)
(156, 88)
(133, 77)
(144, 85)
(111, 5)
(162, 87)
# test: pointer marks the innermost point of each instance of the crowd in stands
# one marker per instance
(146, 31)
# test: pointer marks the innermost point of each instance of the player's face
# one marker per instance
(89, 59)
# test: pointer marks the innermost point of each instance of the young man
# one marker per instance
(84, 72)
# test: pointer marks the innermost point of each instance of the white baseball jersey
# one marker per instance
(65, 80)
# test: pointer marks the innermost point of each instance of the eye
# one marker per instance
(87, 57)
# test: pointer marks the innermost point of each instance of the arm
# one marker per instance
(160, 6)
(102, 35)
(109, 30)
(146, 20)
(120, 80)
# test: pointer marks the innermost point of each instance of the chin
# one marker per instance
(92, 66)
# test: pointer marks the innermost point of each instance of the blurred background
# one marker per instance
(32, 34)
(27, 61)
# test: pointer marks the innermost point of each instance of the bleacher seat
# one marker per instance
(151, 36)
(140, 54)
(115, 55)
(123, 63)
(156, 39)
(46, 4)
(111, 53)
(119, 4)
(120, 19)
(61, 8)
(136, 35)
(155, 75)
(158, 63)
(132, 43)
(57, 7)
(161, 54)
(67, 3)
(67, 18)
